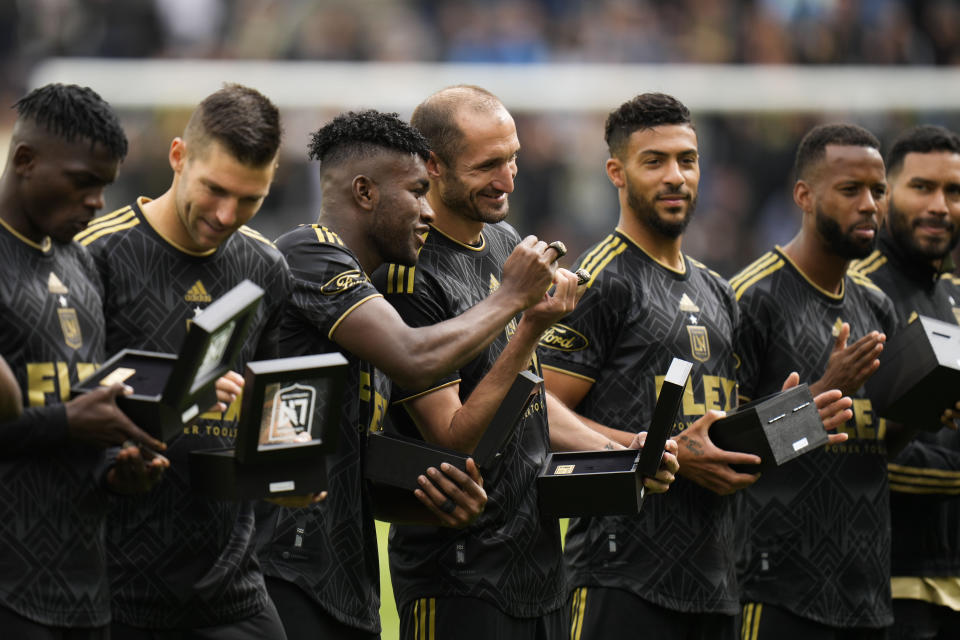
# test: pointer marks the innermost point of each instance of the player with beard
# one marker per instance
(671, 570)
(912, 265)
(503, 577)
(65, 148)
(322, 562)
(817, 559)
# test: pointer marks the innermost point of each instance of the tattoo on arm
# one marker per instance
(608, 446)
(695, 447)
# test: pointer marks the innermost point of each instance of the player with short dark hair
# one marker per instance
(322, 563)
(502, 577)
(66, 147)
(179, 562)
(817, 559)
(912, 265)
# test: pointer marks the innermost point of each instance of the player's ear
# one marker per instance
(23, 159)
(177, 154)
(615, 172)
(365, 192)
(433, 165)
(803, 195)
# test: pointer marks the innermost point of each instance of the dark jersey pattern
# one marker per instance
(330, 549)
(635, 317)
(52, 510)
(511, 556)
(178, 559)
(924, 477)
(819, 526)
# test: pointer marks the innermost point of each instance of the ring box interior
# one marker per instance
(289, 422)
(393, 462)
(778, 428)
(919, 374)
(170, 391)
(594, 483)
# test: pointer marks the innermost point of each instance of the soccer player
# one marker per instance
(322, 562)
(669, 571)
(179, 561)
(66, 147)
(817, 557)
(502, 577)
(912, 265)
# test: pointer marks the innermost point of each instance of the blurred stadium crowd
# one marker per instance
(561, 190)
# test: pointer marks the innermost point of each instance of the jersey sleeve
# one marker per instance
(583, 341)
(751, 340)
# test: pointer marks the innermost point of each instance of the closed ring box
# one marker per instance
(919, 374)
(393, 462)
(289, 422)
(778, 428)
(171, 391)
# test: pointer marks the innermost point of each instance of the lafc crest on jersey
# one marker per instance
(699, 342)
(69, 322)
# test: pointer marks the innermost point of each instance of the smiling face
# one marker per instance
(402, 213)
(845, 193)
(214, 194)
(478, 181)
(924, 216)
(62, 184)
(659, 174)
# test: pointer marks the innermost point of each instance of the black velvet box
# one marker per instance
(393, 462)
(171, 391)
(289, 422)
(919, 374)
(594, 483)
(778, 428)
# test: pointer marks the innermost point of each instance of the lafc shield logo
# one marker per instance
(292, 417)
(70, 325)
(699, 342)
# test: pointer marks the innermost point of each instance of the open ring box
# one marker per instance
(393, 462)
(170, 391)
(594, 483)
(289, 423)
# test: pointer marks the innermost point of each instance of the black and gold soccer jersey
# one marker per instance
(52, 509)
(510, 557)
(818, 528)
(330, 549)
(636, 316)
(924, 505)
(178, 559)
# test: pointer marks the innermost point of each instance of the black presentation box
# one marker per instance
(919, 374)
(394, 462)
(171, 391)
(595, 483)
(778, 428)
(289, 422)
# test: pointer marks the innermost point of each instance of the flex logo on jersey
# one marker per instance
(563, 338)
(197, 293)
(344, 282)
(699, 342)
(292, 415)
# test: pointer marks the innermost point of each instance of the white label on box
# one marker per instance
(189, 414)
(800, 444)
(277, 487)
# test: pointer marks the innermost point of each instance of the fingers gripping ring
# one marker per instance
(583, 276)
(559, 247)
(448, 506)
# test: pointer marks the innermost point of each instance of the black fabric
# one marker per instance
(17, 627)
(919, 620)
(475, 619)
(177, 559)
(263, 625)
(762, 621)
(636, 316)
(304, 619)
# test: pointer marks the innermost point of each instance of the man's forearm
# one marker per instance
(568, 432)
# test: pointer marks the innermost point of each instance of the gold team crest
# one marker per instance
(699, 342)
(70, 325)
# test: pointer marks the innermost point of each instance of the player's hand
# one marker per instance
(228, 386)
(456, 498)
(669, 465)
(11, 400)
(555, 305)
(528, 272)
(299, 502)
(136, 469)
(709, 466)
(94, 418)
(850, 366)
(951, 416)
(833, 406)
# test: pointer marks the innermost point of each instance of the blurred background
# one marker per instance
(745, 202)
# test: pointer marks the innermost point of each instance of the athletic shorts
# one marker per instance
(763, 621)
(265, 624)
(475, 619)
(304, 619)
(919, 620)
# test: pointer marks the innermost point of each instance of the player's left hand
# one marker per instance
(669, 465)
(456, 498)
(834, 408)
(228, 386)
(137, 469)
(950, 417)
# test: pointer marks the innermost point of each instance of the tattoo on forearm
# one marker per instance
(608, 446)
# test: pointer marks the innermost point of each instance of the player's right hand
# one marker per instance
(850, 366)
(96, 419)
(529, 271)
(136, 470)
(228, 387)
(708, 465)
